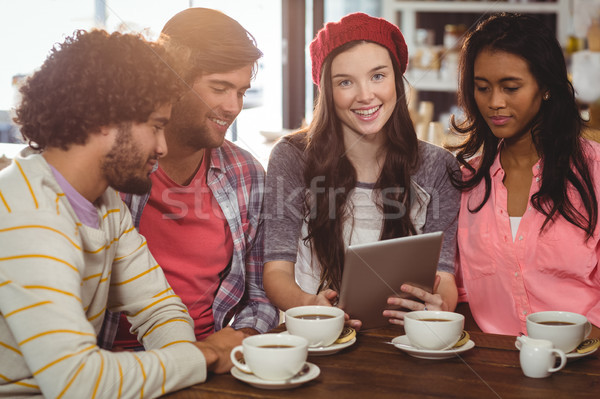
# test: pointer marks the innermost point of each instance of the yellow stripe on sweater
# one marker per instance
(137, 249)
(99, 375)
(28, 185)
(34, 226)
(154, 303)
(55, 332)
(109, 212)
(102, 248)
(66, 388)
(6, 316)
(23, 384)
(143, 376)
(97, 315)
(162, 324)
(164, 381)
(173, 343)
(43, 287)
(63, 358)
(40, 256)
(120, 379)
(5, 203)
(18, 352)
(162, 292)
(136, 277)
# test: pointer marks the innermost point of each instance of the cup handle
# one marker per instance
(242, 366)
(563, 360)
(518, 344)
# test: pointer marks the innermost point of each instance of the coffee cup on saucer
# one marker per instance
(538, 356)
(273, 357)
(566, 330)
(320, 325)
(432, 329)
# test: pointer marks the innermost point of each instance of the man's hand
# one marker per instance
(217, 347)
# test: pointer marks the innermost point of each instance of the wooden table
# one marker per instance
(372, 369)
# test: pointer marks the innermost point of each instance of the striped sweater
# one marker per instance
(57, 278)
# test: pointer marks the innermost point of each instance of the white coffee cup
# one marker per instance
(272, 357)
(432, 329)
(320, 325)
(565, 337)
(538, 356)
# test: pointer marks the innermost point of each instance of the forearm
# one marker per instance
(281, 287)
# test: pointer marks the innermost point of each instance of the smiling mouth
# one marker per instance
(367, 112)
(219, 122)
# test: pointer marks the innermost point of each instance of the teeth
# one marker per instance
(367, 112)
(219, 122)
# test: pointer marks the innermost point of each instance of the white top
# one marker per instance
(514, 226)
(362, 227)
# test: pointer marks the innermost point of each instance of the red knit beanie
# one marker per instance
(357, 26)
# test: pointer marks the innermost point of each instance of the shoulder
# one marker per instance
(288, 148)
(434, 161)
(234, 159)
(431, 153)
(591, 149)
(27, 184)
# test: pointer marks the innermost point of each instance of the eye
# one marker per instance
(344, 83)
(378, 76)
(511, 89)
(219, 89)
(480, 88)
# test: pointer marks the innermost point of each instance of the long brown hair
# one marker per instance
(556, 131)
(328, 167)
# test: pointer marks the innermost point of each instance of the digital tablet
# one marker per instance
(375, 271)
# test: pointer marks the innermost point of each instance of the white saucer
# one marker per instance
(577, 355)
(331, 349)
(327, 350)
(403, 344)
(312, 373)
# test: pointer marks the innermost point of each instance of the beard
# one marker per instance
(188, 126)
(124, 165)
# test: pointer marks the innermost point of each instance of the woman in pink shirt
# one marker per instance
(528, 235)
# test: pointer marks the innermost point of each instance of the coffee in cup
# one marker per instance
(320, 325)
(274, 357)
(432, 329)
(566, 330)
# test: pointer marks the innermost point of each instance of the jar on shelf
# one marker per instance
(453, 36)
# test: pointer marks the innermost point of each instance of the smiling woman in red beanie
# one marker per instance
(356, 174)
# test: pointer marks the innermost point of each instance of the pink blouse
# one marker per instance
(504, 281)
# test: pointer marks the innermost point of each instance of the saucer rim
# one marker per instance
(577, 355)
(330, 349)
(428, 353)
(251, 379)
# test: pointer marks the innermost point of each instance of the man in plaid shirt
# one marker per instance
(202, 216)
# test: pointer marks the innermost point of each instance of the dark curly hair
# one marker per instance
(95, 79)
(556, 130)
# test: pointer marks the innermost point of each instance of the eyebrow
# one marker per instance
(226, 84)
(503, 80)
(159, 119)
(377, 68)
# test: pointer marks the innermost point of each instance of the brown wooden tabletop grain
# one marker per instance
(373, 369)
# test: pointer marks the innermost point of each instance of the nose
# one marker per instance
(161, 144)
(233, 103)
(364, 93)
(497, 100)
